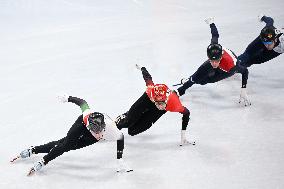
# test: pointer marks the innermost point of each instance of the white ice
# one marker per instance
(89, 49)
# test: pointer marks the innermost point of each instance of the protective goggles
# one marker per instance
(96, 128)
(267, 42)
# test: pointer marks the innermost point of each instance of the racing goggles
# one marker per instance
(267, 42)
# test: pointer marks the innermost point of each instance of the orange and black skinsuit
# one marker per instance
(143, 113)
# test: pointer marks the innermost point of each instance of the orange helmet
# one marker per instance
(159, 92)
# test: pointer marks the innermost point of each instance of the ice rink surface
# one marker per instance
(89, 49)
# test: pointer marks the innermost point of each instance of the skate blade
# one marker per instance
(14, 159)
(31, 172)
(124, 171)
(188, 143)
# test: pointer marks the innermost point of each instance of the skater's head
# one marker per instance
(96, 124)
(159, 95)
(214, 53)
(268, 37)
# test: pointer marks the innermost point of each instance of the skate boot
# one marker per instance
(24, 154)
(27, 153)
(37, 166)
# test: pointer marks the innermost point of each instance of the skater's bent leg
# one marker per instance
(73, 136)
(86, 139)
(198, 77)
(134, 113)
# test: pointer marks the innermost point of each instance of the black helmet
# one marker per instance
(96, 122)
(268, 34)
(214, 51)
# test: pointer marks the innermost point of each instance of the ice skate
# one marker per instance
(37, 166)
(24, 154)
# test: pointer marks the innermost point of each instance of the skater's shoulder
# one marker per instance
(173, 103)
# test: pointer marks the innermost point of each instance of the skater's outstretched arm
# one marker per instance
(214, 33)
(78, 101)
(243, 70)
(185, 118)
(146, 75)
(176, 106)
(214, 30)
(268, 20)
(82, 103)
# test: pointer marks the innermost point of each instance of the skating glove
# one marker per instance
(122, 166)
(138, 67)
(63, 98)
(260, 17)
(209, 20)
(183, 138)
(244, 97)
